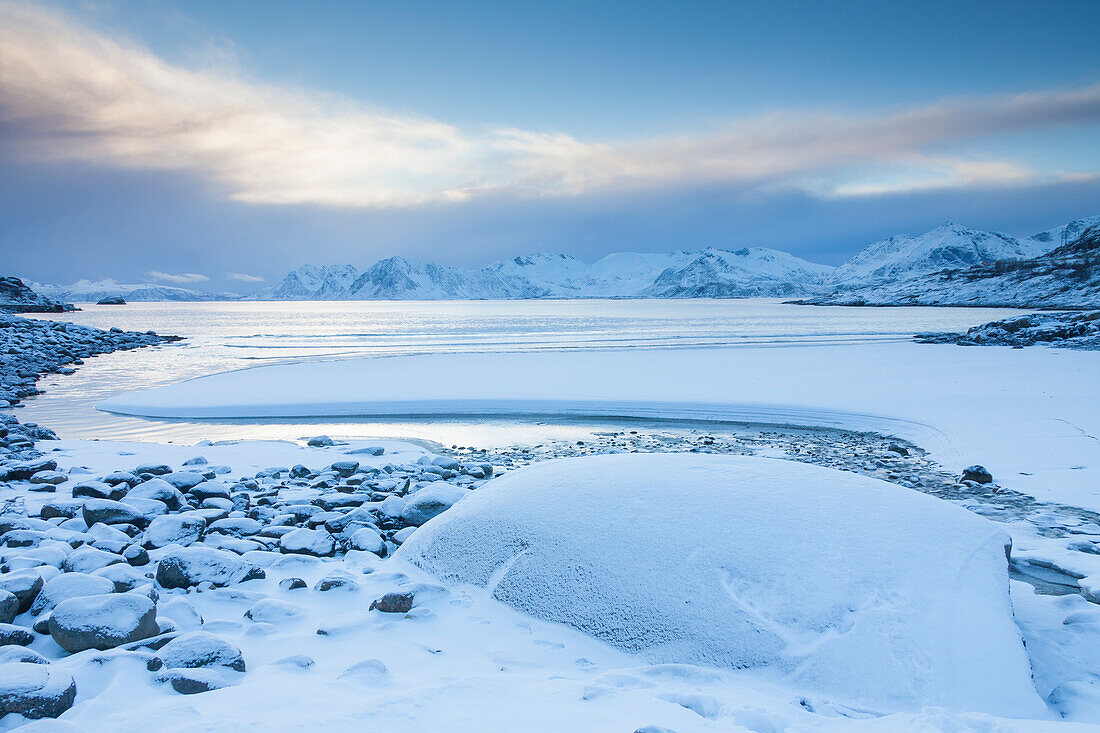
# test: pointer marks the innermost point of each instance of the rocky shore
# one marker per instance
(1074, 330)
(113, 567)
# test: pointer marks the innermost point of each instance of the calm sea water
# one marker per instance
(226, 336)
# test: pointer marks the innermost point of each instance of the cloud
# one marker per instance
(71, 93)
(184, 277)
(244, 278)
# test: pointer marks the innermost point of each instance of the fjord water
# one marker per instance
(223, 336)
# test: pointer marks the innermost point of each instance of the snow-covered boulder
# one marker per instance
(316, 542)
(844, 585)
(35, 690)
(430, 502)
(102, 622)
(189, 566)
(70, 585)
(197, 649)
(174, 529)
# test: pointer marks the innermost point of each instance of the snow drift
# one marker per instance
(851, 587)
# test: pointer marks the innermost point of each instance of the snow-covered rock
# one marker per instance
(70, 585)
(102, 622)
(35, 690)
(198, 649)
(431, 501)
(188, 566)
(316, 542)
(840, 584)
(173, 529)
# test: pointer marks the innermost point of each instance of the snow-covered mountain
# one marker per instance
(949, 246)
(710, 273)
(313, 282)
(88, 291)
(746, 272)
(1068, 276)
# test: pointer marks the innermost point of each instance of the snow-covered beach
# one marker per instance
(329, 517)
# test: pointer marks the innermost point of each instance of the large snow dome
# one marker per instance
(862, 591)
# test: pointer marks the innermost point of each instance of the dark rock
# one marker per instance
(978, 474)
(393, 603)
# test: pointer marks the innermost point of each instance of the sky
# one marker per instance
(218, 145)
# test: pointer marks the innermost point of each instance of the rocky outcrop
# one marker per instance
(16, 297)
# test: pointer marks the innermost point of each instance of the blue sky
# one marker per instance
(251, 137)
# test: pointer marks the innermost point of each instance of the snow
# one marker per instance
(1031, 416)
(747, 271)
(91, 291)
(947, 246)
(842, 585)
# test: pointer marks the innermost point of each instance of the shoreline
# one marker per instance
(327, 516)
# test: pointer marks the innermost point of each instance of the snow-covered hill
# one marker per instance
(1066, 277)
(88, 291)
(747, 272)
(710, 273)
(949, 246)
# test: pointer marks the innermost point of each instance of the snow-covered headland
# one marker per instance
(328, 583)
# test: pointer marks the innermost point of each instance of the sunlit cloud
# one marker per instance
(185, 277)
(71, 93)
(243, 277)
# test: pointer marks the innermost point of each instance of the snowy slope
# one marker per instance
(947, 246)
(312, 282)
(89, 291)
(1058, 236)
(1066, 277)
(542, 275)
(747, 272)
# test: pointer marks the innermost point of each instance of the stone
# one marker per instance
(184, 480)
(69, 585)
(193, 681)
(335, 582)
(35, 690)
(87, 559)
(15, 653)
(9, 606)
(978, 474)
(156, 469)
(237, 526)
(209, 490)
(430, 502)
(136, 555)
(272, 610)
(173, 529)
(316, 542)
(189, 566)
(196, 649)
(292, 584)
(17, 635)
(367, 539)
(393, 603)
(112, 512)
(103, 622)
(24, 585)
(160, 490)
(49, 477)
(345, 468)
(320, 441)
